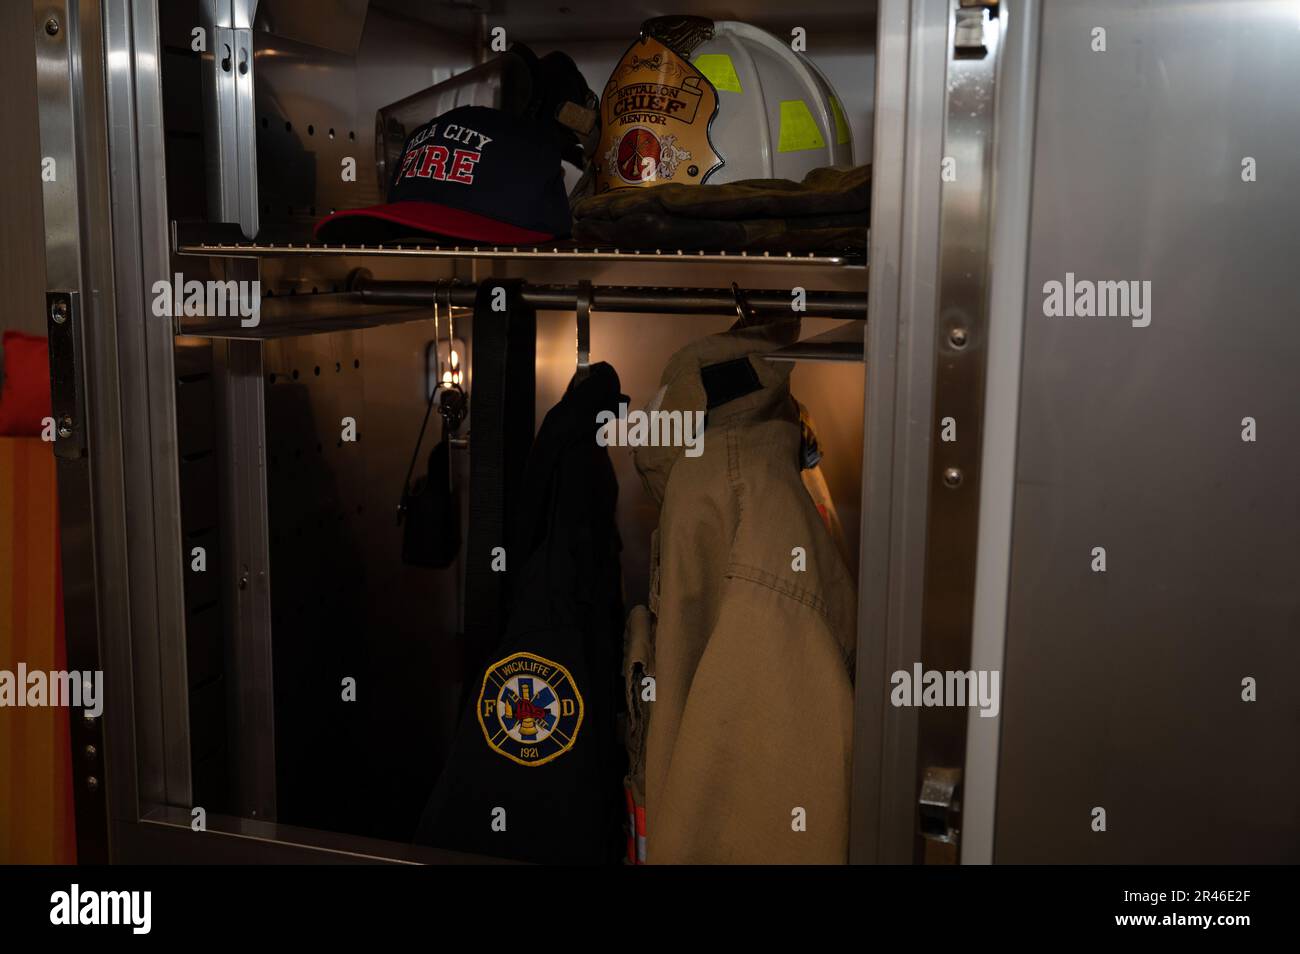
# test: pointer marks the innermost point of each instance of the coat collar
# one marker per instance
(682, 389)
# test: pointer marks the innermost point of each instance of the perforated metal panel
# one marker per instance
(343, 605)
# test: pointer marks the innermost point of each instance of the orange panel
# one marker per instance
(36, 820)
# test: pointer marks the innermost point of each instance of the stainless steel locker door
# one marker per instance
(1168, 157)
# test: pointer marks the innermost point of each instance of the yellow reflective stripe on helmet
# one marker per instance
(842, 134)
(718, 70)
(798, 128)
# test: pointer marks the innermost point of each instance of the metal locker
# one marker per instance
(992, 445)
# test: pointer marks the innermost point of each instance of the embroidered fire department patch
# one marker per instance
(530, 709)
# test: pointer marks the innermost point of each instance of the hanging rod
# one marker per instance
(367, 303)
(621, 298)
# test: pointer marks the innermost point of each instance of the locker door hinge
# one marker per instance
(63, 317)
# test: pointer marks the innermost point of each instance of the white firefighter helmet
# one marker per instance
(778, 116)
(716, 102)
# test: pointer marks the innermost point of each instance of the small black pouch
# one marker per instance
(430, 511)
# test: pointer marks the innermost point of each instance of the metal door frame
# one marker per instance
(903, 256)
(1012, 178)
(94, 541)
(925, 503)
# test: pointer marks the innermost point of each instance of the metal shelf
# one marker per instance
(226, 240)
(847, 342)
(368, 303)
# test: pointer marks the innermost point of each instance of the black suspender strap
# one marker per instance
(502, 423)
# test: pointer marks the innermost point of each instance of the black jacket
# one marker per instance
(536, 769)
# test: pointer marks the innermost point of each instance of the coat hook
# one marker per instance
(744, 311)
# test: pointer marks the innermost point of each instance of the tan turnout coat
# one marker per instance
(748, 737)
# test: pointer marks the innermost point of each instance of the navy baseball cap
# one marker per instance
(474, 174)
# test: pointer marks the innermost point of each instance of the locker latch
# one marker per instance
(973, 18)
(940, 814)
(63, 317)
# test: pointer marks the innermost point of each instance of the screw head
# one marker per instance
(957, 337)
(65, 427)
(92, 783)
(952, 476)
(91, 752)
(59, 312)
(51, 26)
